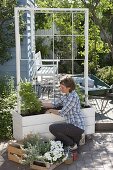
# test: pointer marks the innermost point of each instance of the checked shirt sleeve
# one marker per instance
(73, 100)
(58, 102)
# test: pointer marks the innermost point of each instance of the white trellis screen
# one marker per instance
(51, 10)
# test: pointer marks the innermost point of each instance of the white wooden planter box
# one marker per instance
(89, 118)
(22, 126)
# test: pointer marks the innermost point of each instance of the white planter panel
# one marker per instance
(39, 119)
(90, 129)
(89, 117)
(88, 112)
(43, 130)
(17, 130)
(89, 121)
(23, 126)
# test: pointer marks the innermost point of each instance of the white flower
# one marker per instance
(54, 159)
(56, 152)
(48, 156)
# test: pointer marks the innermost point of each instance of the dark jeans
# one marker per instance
(67, 133)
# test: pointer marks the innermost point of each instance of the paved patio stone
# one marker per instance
(96, 154)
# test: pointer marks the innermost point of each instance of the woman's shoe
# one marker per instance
(73, 147)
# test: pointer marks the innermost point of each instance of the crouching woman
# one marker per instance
(70, 132)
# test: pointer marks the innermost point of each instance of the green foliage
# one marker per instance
(30, 139)
(63, 26)
(7, 31)
(41, 46)
(80, 94)
(100, 29)
(46, 18)
(35, 147)
(106, 74)
(93, 67)
(48, 151)
(29, 101)
(6, 85)
(7, 102)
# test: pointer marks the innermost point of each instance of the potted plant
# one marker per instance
(40, 153)
(30, 103)
(32, 118)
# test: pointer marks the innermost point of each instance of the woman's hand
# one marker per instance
(54, 111)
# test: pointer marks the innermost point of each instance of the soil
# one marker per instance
(42, 111)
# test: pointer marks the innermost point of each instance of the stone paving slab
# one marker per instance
(106, 114)
(96, 154)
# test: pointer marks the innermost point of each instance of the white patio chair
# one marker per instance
(45, 71)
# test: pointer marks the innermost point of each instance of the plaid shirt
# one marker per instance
(71, 109)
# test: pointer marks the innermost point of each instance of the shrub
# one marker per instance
(30, 103)
(106, 74)
(6, 85)
(7, 102)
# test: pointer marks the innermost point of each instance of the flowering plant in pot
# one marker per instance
(45, 153)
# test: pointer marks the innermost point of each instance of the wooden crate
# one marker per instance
(41, 166)
(15, 153)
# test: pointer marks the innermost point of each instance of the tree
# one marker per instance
(101, 14)
(100, 28)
